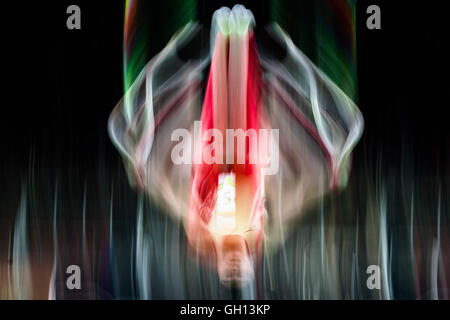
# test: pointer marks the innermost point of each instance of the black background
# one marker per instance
(61, 84)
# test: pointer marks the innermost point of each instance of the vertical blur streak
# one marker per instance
(21, 282)
(383, 247)
(134, 49)
(336, 41)
(52, 285)
(129, 39)
(331, 37)
(435, 254)
(112, 255)
(440, 258)
(283, 248)
(8, 292)
(143, 254)
(411, 246)
(326, 256)
(84, 241)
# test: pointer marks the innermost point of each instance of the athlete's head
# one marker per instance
(234, 263)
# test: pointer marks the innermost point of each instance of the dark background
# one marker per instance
(62, 84)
